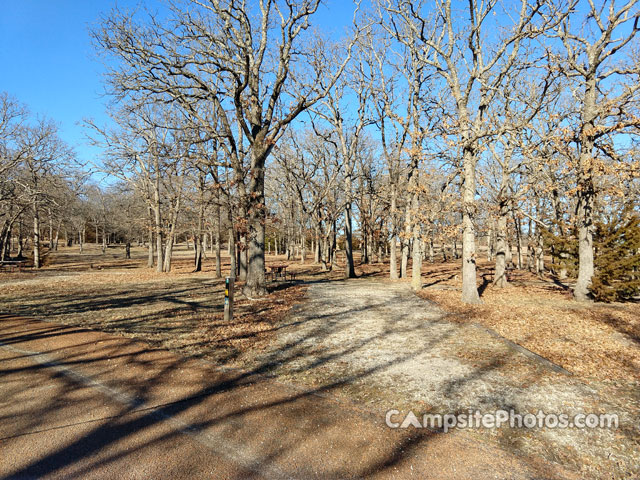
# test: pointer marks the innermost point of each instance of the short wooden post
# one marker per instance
(228, 298)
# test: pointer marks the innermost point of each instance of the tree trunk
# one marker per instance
(317, 253)
(231, 247)
(218, 241)
(334, 245)
(197, 261)
(490, 244)
(364, 243)
(256, 283)
(198, 237)
(405, 242)
(171, 235)
(539, 252)
(393, 258)
(529, 252)
(303, 244)
(585, 250)
(159, 236)
(516, 223)
(469, 281)
(5, 242)
(500, 277)
(349, 269)
(416, 264)
(586, 194)
(168, 251)
(325, 257)
(243, 252)
(50, 230)
(20, 242)
(416, 254)
(36, 236)
(150, 249)
(57, 236)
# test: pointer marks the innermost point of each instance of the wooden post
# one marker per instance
(228, 298)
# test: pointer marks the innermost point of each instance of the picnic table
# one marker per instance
(280, 271)
(12, 264)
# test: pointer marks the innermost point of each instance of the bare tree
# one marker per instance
(512, 151)
(598, 55)
(413, 123)
(261, 76)
(44, 154)
(455, 44)
(349, 133)
(150, 148)
(12, 118)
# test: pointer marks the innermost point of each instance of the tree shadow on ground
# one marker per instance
(157, 397)
(233, 404)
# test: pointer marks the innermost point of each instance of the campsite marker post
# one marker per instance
(228, 299)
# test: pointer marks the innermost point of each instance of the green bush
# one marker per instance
(617, 259)
(563, 249)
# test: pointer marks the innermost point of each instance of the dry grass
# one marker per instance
(181, 310)
(595, 341)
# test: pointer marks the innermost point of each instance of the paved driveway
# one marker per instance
(83, 404)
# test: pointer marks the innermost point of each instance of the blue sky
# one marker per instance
(48, 63)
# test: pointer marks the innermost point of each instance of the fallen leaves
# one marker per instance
(599, 341)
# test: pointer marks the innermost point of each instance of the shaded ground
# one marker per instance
(596, 341)
(377, 342)
(81, 404)
(371, 341)
(181, 310)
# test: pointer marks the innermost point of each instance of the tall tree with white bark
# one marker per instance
(599, 55)
(474, 53)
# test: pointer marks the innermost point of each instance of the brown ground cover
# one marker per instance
(595, 340)
(183, 311)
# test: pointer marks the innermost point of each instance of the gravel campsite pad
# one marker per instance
(380, 344)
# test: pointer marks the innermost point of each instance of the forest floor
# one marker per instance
(374, 342)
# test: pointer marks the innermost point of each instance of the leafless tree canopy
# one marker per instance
(432, 131)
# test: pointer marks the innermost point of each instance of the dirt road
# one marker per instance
(83, 404)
